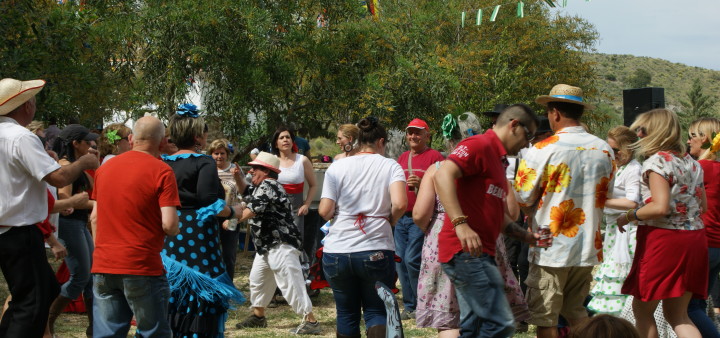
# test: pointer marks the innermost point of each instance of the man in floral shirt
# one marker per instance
(563, 182)
(277, 241)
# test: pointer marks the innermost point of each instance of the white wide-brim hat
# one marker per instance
(13, 93)
(267, 160)
(564, 93)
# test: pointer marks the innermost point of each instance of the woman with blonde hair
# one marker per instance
(703, 144)
(671, 260)
(114, 141)
(200, 289)
(347, 139)
(618, 247)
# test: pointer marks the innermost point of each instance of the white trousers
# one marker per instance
(279, 267)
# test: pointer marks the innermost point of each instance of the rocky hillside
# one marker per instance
(615, 72)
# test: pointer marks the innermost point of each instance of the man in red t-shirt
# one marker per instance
(408, 237)
(472, 188)
(136, 206)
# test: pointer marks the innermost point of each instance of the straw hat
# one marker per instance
(13, 93)
(564, 93)
(267, 160)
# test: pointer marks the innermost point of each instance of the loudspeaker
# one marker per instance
(639, 100)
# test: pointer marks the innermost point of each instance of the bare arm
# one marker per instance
(93, 222)
(326, 209)
(312, 186)
(70, 202)
(425, 202)
(170, 220)
(658, 207)
(511, 204)
(447, 192)
(69, 173)
(398, 198)
(620, 204)
(246, 215)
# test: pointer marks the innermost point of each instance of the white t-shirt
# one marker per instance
(24, 165)
(360, 184)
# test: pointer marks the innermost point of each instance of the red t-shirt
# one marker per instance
(130, 190)
(711, 218)
(481, 191)
(420, 163)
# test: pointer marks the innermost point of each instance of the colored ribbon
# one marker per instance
(448, 125)
(494, 13)
(462, 19)
(569, 97)
(188, 109)
(361, 220)
(478, 19)
(112, 136)
(520, 9)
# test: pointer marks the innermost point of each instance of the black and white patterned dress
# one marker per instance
(274, 222)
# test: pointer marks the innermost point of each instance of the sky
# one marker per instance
(686, 32)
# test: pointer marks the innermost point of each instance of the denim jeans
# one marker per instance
(352, 277)
(696, 308)
(484, 309)
(118, 297)
(408, 246)
(79, 243)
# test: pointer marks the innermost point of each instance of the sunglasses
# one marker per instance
(528, 135)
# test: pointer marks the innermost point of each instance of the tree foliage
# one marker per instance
(259, 63)
(698, 104)
(640, 78)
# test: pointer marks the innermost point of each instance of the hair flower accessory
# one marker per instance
(449, 124)
(231, 148)
(112, 136)
(188, 109)
(714, 144)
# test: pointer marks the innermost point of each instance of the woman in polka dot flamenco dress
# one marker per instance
(618, 248)
(201, 290)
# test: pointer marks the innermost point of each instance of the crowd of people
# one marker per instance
(509, 229)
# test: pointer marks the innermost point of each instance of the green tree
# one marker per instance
(640, 78)
(698, 104)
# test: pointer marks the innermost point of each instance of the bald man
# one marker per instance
(136, 207)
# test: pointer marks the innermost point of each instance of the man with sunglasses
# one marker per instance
(472, 188)
(562, 183)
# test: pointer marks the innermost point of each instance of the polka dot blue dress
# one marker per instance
(201, 291)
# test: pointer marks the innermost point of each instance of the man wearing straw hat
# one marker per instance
(26, 170)
(562, 183)
(277, 240)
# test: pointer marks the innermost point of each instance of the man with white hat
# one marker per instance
(408, 237)
(562, 183)
(277, 240)
(26, 168)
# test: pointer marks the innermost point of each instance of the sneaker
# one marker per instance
(252, 321)
(405, 315)
(307, 328)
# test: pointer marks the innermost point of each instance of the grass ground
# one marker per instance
(280, 319)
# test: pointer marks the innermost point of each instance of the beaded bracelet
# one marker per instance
(458, 220)
(636, 216)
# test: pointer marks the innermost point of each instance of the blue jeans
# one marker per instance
(118, 297)
(484, 309)
(408, 245)
(352, 277)
(696, 308)
(79, 243)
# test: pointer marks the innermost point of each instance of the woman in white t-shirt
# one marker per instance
(365, 195)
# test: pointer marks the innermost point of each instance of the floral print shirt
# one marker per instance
(566, 180)
(685, 176)
(273, 223)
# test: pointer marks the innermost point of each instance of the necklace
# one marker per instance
(365, 152)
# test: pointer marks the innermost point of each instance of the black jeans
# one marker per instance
(30, 279)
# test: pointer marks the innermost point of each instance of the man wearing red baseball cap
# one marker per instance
(408, 237)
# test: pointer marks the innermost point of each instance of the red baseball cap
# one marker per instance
(418, 123)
